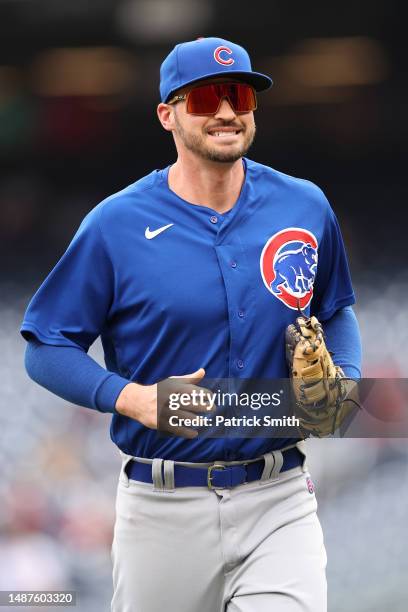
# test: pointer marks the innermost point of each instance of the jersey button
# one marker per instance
(214, 219)
(233, 264)
(241, 314)
(240, 364)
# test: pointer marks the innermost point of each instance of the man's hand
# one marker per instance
(140, 402)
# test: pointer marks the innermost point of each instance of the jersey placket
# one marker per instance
(235, 271)
(236, 274)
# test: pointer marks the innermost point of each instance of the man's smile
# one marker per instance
(226, 133)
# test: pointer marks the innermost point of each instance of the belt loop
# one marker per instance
(301, 446)
(123, 477)
(278, 463)
(168, 469)
(157, 477)
(269, 464)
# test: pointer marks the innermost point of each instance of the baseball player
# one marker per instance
(197, 270)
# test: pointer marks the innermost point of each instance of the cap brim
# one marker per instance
(260, 82)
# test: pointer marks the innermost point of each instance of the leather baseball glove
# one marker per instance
(320, 388)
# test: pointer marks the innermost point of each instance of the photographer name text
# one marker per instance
(252, 421)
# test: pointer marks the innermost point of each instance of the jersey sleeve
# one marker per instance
(71, 306)
(333, 288)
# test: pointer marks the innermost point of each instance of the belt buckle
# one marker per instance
(215, 466)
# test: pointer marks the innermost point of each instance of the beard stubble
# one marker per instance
(197, 145)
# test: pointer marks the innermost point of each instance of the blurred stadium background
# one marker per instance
(78, 90)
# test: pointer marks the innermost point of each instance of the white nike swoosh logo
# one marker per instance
(149, 234)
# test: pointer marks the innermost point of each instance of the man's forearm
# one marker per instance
(343, 340)
(73, 375)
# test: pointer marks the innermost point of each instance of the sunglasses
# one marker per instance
(206, 99)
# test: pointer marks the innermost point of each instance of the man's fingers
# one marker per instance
(182, 392)
(194, 376)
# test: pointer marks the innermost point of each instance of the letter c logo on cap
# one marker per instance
(219, 59)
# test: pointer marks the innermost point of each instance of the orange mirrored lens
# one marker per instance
(206, 99)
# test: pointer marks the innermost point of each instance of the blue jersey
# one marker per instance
(171, 287)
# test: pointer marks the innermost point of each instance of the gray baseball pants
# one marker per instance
(255, 548)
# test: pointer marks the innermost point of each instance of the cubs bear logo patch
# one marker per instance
(289, 265)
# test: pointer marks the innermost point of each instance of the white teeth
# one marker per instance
(223, 134)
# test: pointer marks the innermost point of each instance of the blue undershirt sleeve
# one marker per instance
(344, 341)
(72, 374)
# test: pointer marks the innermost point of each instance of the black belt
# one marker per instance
(217, 475)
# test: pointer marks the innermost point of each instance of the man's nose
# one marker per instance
(225, 111)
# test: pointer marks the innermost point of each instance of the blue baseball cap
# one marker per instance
(205, 58)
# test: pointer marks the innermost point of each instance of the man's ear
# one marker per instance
(165, 114)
